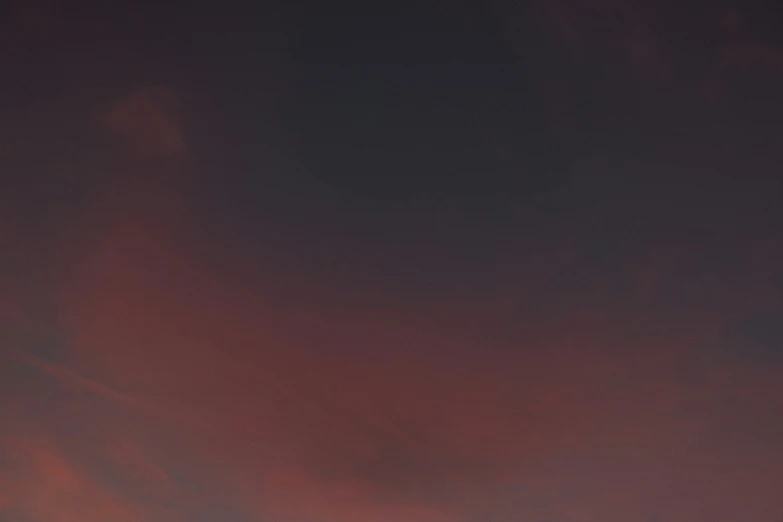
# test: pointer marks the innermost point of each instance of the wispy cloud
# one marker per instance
(71, 379)
(75, 381)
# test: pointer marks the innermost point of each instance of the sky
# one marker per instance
(444, 262)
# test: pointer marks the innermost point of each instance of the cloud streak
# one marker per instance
(71, 379)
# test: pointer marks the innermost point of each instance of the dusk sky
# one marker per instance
(465, 261)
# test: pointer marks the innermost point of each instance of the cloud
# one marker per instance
(329, 405)
(338, 404)
(200, 380)
(146, 119)
(71, 379)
